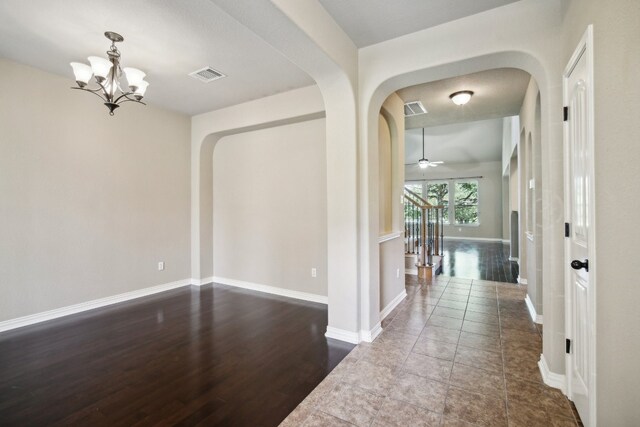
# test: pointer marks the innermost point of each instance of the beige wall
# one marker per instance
(90, 203)
(391, 270)
(489, 196)
(616, 26)
(513, 184)
(384, 177)
(506, 213)
(391, 252)
(270, 207)
(530, 201)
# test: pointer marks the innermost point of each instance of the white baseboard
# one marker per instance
(271, 290)
(479, 239)
(514, 258)
(551, 378)
(532, 310)
(522, 280)
(412, 271)
(342, 335)
(371, 335)
(393, 304)
(89, 305)
(202, 282)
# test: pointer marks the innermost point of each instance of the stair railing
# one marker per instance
(423, 228)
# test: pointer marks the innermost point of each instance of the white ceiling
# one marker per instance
(372, 21)
(169, 39)
(165, 38)
(469, 142)
(497, 93)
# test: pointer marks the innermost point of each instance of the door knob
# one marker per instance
(577, 264)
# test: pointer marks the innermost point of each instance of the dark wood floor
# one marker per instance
(478, 260)
(193, 356)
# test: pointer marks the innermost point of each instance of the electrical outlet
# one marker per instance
(314, 272)
(397, 273)
(161, 266)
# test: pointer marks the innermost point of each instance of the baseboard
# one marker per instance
(202, 282)
(393, 304)
(514, 258)
(479, 239)
(537, 318)
(551, 378)
(271, 290)
(412, 271)
(371, 335)
(506, 241)
(522, 280)
(89, 305)
(342, 335)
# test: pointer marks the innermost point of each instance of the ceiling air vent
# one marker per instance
(207, 74)
(414, 108)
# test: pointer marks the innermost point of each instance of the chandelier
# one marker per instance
(108, 73)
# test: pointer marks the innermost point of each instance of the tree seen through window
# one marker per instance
(466, 202)
(438, 195)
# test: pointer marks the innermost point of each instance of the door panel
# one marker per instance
(580, 348)
(579, 181)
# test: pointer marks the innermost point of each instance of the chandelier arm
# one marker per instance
(95, 92)
(131, 100)
(90, 90)
(124, 95)
(104, 90)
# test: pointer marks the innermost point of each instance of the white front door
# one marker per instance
(580, 265)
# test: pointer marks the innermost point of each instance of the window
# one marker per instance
(466, 202)
(415, 188)
(410, 211)
(459, 198)
(438, 195)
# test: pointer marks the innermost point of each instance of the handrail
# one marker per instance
(424, 202)
(413, 202)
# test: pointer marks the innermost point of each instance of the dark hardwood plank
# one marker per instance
(213, 355)
(479, 260)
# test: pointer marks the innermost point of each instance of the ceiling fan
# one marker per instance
(424, 163)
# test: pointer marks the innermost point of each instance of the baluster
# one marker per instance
(416, 239)
(442, 232)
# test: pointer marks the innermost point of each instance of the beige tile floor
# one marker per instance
(456, 352)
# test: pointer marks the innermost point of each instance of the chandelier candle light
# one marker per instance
(108, 73)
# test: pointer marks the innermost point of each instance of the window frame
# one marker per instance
(451, 185)
(477, 205)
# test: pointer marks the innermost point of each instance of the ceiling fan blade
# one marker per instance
(438, 162)
(433, 165)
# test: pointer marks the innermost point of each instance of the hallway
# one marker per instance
(456, 352)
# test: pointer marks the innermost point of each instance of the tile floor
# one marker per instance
(456, 352)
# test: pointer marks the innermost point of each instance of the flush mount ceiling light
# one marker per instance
(108, 73)
(461, 97)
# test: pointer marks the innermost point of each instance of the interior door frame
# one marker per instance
(585, 47)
